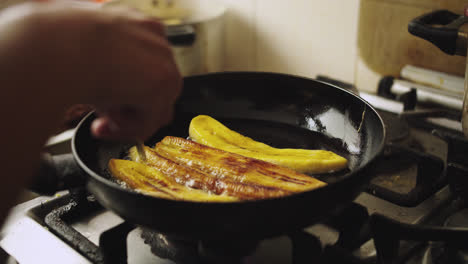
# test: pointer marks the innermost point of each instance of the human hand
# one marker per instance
(117, 60)
(148, 82)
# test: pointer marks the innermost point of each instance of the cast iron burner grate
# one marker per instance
(445, 236)
(401, 152)
(352, 224)
(440, 243)
(112, 243)
(430, 175)
(457, 163)
(449, 252)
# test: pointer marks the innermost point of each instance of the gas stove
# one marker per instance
(408, 214)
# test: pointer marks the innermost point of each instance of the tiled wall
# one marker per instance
(304, 37)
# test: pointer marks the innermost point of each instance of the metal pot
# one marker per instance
(449, 32)
(194, 28)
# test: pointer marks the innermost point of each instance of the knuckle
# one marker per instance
(156, 25)
(169, 72)
(165, 49)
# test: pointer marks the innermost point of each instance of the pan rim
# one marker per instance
(114, 185)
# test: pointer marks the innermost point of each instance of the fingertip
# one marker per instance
(101, 128)
(154, 25)
(105, 128)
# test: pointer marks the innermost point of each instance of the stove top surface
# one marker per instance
(26, 230)
(410, 189)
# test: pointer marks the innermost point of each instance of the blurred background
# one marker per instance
(355, 41)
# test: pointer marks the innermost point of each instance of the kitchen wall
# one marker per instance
(311, 37)
(357, 41)
(303, 37)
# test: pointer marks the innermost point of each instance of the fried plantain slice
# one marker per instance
(225, 165)
(151, 181)
(208, 131)
(193, 178)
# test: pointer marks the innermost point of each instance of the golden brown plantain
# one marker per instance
(237, 168)
(199, 180)
(150, 181)
(208, 131)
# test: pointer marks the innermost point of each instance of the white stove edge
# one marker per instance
(29, 242)
(20, 235)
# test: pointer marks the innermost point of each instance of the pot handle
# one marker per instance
(56, 173)
(441, 29)
(183, 35)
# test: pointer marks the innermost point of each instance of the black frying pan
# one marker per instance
(280, 110)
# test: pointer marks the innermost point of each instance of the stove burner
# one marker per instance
(398, 132)
(163, 247)
(396, 128)
(191, 251)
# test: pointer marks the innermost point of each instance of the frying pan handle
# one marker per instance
(57, 173)
(441, 29)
